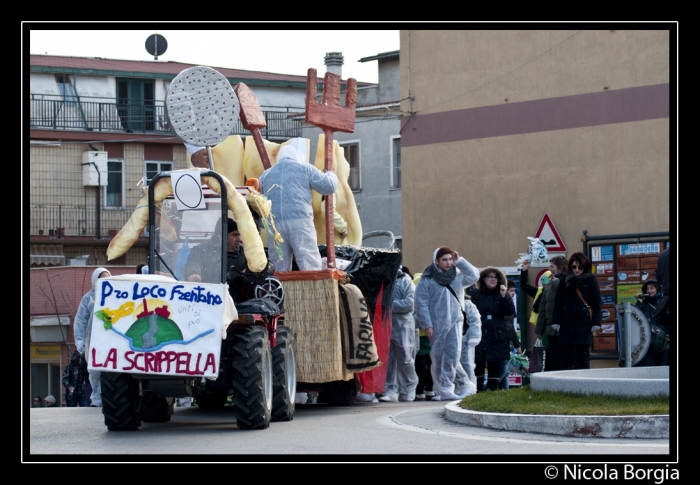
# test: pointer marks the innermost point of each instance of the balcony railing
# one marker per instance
(102, 114)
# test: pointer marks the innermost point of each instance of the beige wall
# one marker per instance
(483, 197)
(483, 68)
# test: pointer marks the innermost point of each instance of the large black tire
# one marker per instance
(121, 403)
(340, 393)
(156, 409)
(284, 370)
(215, 400)
(252, 378)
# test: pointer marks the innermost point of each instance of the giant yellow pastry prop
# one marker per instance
(344, 198)
(228, 159)
(252, 163)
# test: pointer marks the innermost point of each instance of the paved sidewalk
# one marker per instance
(654, 426)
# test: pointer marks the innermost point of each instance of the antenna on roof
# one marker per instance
(156, 45)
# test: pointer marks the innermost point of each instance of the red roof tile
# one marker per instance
(153, 67)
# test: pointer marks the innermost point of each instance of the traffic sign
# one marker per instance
(548, 235)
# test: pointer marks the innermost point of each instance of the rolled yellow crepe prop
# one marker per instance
(133, 228)
(250, 236)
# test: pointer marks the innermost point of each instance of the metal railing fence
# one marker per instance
(104, 114)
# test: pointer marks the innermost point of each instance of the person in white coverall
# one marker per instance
(401, 377)
(288, 185)
(81, 330)
(439, 301)
(470, 340)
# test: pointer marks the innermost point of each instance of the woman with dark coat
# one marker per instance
(494, 304)
(550, 335)
(571, 312)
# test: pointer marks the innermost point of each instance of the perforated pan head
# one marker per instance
(201, 106)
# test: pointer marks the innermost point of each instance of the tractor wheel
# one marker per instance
(340, 393)
(121, 403)
(215, 400)
(284, 370)
(156, 409)
(252, 378)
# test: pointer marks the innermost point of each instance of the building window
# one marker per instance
(352, 155)
(135, 103)
(114, 191)
(396, 163)
(154, 168)
(66, 89)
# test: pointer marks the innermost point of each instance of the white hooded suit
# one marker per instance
(81, 330)
(437, 307)
(288, 185)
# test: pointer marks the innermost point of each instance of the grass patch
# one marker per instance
(524, 400)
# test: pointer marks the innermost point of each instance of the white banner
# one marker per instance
(150, 324)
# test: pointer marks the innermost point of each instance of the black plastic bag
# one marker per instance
(537, 358)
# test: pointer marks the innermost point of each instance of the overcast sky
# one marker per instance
(278, 51)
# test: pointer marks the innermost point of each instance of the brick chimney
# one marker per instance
(334, 63)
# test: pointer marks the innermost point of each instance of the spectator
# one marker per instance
(424, 390)
(544, 328)
(73, 380)
(288, 185)
(664, 307)
(439, 307)
(37, 402)
(49, 401)
(142, 268)
(470, 339)
(577, 311)
(512, 327)
(82, 326)
(491, 298)
(529, 289)
(648, 301)
(401, 377)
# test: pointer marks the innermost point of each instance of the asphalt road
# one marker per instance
(363, 432)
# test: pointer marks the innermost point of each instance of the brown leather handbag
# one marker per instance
(588, 307)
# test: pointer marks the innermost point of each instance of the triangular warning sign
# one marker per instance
(548, 235)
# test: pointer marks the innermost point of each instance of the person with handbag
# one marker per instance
(577, 311)
(491, 298)
(439, 311)
(544, 329)
(647, 301)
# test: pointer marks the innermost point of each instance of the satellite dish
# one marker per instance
(156, 45)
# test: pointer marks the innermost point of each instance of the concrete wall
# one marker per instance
(43, 84)
(280, 96)
(480, 171)
(389, 79)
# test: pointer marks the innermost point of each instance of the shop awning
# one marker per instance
(46, 255)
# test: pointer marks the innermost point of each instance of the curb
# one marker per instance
(646, 426)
